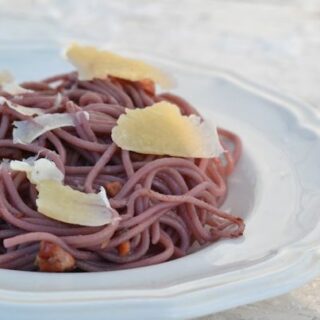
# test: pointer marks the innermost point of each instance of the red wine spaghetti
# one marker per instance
(166, 204)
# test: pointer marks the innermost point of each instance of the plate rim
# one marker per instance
(308, 116)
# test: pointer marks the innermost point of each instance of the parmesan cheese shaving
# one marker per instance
(162, 130)
(38, 170)
(61, 202)
(27, 111)
(58, 100)
(94, 63)
(5, 77)
(28, 130)
(14, 89)
(72, 206)
(8, 85)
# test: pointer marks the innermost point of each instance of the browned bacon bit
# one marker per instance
(19, 215)
(113, 188)
(124, 248)
(52, 258)
(148, 86)
(137, 156)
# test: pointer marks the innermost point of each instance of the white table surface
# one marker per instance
(273, 42)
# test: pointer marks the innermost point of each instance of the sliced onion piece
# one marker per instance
(28, 130)
(62, 203)
(161, 129)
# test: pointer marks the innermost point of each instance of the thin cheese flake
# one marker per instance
(94, 63)
(27, 111)
(8, 85)
(14, 89)
(27, 131)
(57, 101)
(38, 170)
(162, 130)
(61, 202)
(5, 77)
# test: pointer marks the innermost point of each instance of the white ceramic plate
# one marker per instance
(275, 188)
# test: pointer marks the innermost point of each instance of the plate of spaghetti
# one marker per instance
(150, 188)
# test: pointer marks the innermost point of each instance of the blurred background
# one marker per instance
(272, 42)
